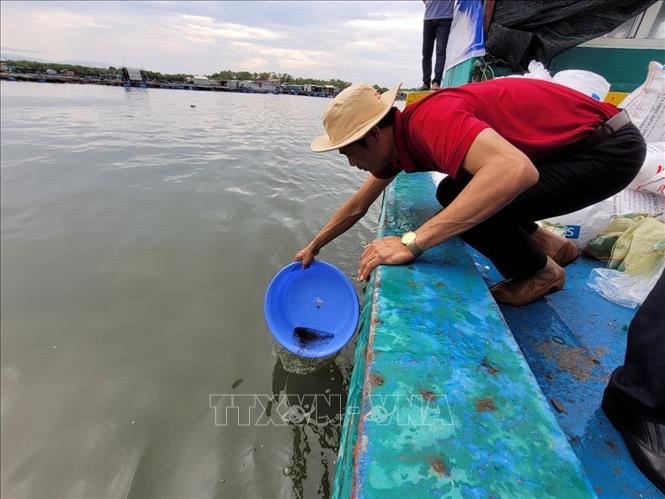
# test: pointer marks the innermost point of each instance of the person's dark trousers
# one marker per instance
(640, 382)
(434, 30)
(634, 400)
(570, 179)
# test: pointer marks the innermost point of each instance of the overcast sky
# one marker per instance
(372, 41)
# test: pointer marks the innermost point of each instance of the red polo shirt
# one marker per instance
(538, 117)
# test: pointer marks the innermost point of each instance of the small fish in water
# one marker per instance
(306, 335)
(237, 382)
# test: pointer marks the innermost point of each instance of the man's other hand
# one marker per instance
(386, 251)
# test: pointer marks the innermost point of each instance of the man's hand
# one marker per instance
(387, 251)
(306, 255)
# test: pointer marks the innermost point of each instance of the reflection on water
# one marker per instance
(138, 236)
(315, 402)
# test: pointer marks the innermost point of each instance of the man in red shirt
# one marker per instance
(515, 150)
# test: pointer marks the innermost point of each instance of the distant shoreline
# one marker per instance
(46, 78)
(77, 80)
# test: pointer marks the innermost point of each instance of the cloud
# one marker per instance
(363, 45)
(378, 42)
(69, 20)
(206, 29)
(19, 52)
(257, 64)
(387, 24)
(288, 58)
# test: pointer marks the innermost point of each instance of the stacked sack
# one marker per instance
(628, 230)
(646, 194)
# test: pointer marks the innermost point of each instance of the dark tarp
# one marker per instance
(523, 30)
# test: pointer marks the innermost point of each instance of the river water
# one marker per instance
(139, 231)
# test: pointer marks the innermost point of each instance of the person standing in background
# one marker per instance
(436, 27)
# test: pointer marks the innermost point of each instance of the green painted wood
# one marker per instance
(343, 485)
(458, 75)
(625, 69)
(441, 401)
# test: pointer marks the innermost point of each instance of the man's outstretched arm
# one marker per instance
(344, 218)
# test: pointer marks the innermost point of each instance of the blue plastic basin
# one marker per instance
(311, 312)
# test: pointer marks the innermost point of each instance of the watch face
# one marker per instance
(409, 237)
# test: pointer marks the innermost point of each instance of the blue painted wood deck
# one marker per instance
(573, 340)
(446, 403)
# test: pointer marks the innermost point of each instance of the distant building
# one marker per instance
(3, 67)
(51, 72)
(249, 85)
(67, 72)
(330, 90)
(133, 75)
(230, 84)
(201, 81)
(295, 89)
(269, 85)
(313, 89)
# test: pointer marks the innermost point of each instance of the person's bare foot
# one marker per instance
(558, 248)
(436, 86)
(518, 292)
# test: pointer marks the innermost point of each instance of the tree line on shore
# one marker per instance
(285, 78)
(83, 71)
(80, 71)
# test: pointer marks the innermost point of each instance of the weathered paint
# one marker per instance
(433, 348)
(572, 341)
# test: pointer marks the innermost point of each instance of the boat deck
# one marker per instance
(572, 341)
(515, 391)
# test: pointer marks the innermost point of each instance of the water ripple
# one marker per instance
(138, 235)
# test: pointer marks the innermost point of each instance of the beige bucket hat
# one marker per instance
(352, 114)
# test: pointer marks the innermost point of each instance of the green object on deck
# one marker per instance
(441, 401)
(626, 69)
(459, 74)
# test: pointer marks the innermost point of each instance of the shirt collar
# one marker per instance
(405, 160)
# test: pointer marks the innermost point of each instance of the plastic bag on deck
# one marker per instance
(591, 84)
(587, 82)
(537, 70)
(623, 289)
(635, 260)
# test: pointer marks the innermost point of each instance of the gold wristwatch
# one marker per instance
(409, 240)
